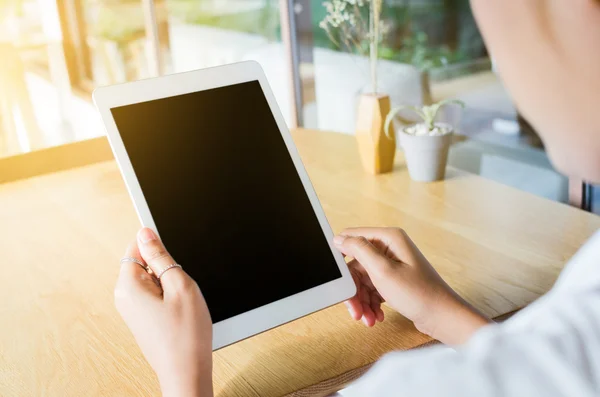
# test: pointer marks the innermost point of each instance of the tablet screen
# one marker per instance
(226, 197)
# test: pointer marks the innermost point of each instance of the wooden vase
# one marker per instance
(376, 150)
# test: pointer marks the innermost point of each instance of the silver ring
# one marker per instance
(134, 260)
(172, 266)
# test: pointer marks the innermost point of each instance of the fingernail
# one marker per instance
(145, 235)
(364, 320)
(339, 240)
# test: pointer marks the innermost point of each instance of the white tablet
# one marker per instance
(211, 166)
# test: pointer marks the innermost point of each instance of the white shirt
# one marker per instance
(551, 348)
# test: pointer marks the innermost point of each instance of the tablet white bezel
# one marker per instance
(276, 313)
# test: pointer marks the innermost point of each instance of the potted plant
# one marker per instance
(347, 27)
(425, 144)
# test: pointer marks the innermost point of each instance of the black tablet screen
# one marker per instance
(225, 196)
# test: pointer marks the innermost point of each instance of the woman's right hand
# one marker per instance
(387, 266)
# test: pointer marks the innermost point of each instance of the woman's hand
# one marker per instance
(387, 266)
(169, 320)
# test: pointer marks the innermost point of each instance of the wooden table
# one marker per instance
(62, 235)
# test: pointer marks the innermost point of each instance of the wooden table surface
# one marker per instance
(62, 236)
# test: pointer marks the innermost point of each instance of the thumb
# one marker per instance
(158, 259)
(361, 249)
(134, 283)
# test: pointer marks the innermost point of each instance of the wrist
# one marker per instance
(184, 385)
(455, 320)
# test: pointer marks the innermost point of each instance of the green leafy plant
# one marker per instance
(427, 113)
(417, 51)
(263, 20)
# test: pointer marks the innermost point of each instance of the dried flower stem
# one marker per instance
(344, 24)
(374, 17)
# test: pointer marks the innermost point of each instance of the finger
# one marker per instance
(380, 315)
(157, 258)
(394, 238)
(363, 281)
(368, 318)
(376, 306)
(134, 282)
(379, 233)
(360, 275)
(368, 314)
(353, 304)
(135, 273)
(363, 251)
(354, 308)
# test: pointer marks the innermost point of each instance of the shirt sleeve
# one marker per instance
(551, 348)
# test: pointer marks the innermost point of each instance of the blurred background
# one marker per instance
(53, 53)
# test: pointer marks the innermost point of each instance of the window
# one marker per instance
(56, 52)
(109, 41)
(423, 42)
(37, 106)
(59, 51)
(207, 33)
(430, 50)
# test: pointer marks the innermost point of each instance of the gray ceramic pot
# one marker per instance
(426, 156)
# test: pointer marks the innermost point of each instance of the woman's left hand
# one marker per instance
(169, 320)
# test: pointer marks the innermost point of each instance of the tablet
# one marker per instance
(211, 166)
